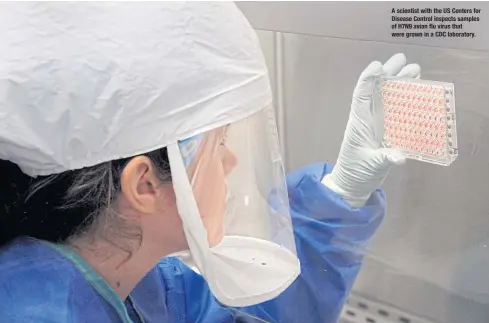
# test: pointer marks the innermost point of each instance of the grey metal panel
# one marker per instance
(431, 255)
(267, 42)
(365, 20)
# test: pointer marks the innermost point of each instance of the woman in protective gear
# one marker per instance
(142, 179)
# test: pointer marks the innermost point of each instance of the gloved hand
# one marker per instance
(362, 165)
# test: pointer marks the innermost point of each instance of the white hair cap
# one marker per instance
(89, 82)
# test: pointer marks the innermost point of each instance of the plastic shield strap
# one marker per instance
(232, 199)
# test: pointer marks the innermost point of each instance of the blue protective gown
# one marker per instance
(42, 282)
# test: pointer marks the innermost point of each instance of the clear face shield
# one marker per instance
(232, 198)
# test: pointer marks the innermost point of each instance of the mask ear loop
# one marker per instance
(188, 210)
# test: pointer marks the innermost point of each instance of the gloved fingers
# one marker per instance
(396, 159)
(392, 157)
(411, 71)
(364, 85)
(394, 65)
(372, 69)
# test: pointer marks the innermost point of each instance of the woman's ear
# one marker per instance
(139, 184)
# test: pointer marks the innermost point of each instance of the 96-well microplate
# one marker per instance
(419, 118)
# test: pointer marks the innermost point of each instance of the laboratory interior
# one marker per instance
(429, 261)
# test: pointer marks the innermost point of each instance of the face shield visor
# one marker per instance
(231, 195)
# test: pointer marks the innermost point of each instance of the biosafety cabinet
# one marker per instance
(429, 262)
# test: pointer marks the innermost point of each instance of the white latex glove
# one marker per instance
(362, 165)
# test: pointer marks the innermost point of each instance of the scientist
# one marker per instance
(142, 180)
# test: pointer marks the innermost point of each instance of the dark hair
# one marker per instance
(58, 207)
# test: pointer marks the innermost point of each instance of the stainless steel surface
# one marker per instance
(359, 309)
